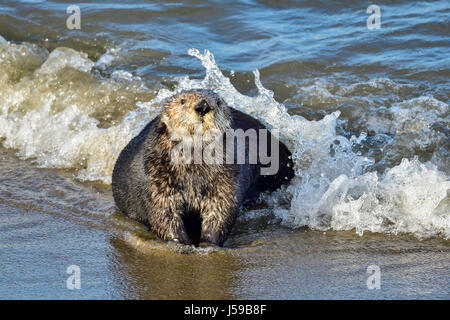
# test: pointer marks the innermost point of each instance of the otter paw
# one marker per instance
(213, 238)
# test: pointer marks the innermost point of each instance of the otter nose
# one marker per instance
(202, 108)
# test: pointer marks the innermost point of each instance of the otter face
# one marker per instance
(190, 109)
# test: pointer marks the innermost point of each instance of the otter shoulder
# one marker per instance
(243, 121)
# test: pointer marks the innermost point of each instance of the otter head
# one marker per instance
(193, 109)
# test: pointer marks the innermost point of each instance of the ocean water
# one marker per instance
(364, 112)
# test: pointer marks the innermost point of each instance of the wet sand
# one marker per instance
(49, 222)
(365, 112)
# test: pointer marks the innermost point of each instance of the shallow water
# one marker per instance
(365, 113)
(50, 222)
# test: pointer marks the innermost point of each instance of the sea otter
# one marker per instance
(197, 200)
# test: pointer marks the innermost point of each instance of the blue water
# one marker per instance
(61, 120)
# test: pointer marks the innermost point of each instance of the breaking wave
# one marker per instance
(59, 110)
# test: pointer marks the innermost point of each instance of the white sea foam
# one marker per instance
(107, 58)
(333, 187)
(66, 57)
(412, 115)
(67, 138)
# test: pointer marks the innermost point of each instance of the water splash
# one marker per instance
(333, 187)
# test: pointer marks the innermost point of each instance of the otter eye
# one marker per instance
(182, 101)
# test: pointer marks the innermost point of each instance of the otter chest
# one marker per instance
(197, 179)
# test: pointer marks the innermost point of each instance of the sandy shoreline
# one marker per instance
(49, 222)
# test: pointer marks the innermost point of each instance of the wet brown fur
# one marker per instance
(189, 203)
